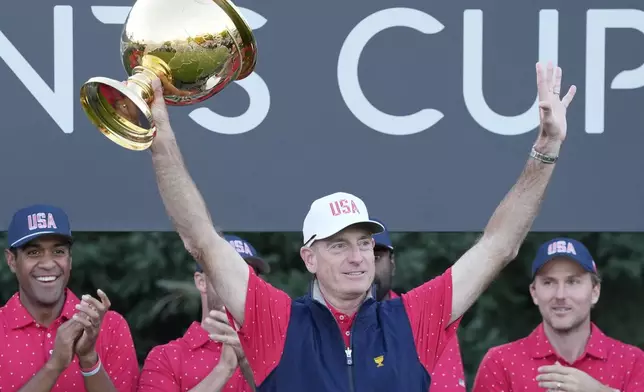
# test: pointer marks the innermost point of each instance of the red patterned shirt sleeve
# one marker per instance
(119, 356)
(491, 376)
(263, 333)
(429, 309)
(158, 375)
(449, 374)
(636, 380)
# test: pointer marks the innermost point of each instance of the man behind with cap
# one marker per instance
(338, 337)
(50, 340)
(566, 352)
(448, 374)
(208, 357)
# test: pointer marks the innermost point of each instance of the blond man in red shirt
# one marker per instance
(50, 340)
(567, 351)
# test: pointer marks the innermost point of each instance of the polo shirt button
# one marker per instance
(51, 352)
(341, 317)
(48, 335)
(347, 333)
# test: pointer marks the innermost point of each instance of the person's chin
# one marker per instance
(358, 286)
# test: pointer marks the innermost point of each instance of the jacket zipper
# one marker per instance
(349, 352)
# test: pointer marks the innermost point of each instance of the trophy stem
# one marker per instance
(142, 75)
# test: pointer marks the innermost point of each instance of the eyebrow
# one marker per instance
(38, 246)
(566, 277)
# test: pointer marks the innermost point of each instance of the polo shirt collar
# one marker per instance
(20, 317)
(196, 337)
(597, 345)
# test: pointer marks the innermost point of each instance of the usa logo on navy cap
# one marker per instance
(247, 252)
(564, 247)
(34, 221)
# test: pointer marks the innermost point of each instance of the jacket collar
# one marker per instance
(316, 294)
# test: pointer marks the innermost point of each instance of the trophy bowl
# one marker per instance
(195, 47)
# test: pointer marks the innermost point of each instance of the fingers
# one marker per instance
(93, 303)
(553, 386)
(554, 377)
(549, 76)
(542, 86)
(70, 326)
(556, 87)
(217, 326)
(158, 88)
(567, 99)
(84, 322)
(219, 316)
(104, 300)
(225, 339)
(88, 311)
(553, 369)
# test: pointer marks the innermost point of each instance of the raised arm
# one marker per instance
(512, 220)
(189, 214)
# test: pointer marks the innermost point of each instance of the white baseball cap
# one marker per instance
(331, 214)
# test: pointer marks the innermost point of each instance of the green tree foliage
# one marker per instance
(148, 277)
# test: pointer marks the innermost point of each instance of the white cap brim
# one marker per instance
(373, 226)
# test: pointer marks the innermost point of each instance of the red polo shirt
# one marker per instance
(183, 363)
(448, 374)
(268, 310)
(513, 366)
(27, 346)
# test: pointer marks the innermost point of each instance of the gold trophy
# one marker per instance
(195, 47)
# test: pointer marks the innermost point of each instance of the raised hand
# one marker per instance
(552, 108)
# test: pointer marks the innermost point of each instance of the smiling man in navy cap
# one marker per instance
(449, 374)
(72, 344)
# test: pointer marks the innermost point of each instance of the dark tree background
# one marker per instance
(148, 277)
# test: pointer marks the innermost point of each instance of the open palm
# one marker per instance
(552, 109)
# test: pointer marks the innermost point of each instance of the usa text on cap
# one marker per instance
(248, 253)
(331, 214)
(564, 247)
(34, 221)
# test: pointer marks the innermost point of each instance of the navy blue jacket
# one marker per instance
(382, 356)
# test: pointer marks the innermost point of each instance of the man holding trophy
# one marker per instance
(338, 337)
(392, 345)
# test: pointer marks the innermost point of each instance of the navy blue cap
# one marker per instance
(34, 221)
(247, 252)
(382, 238)
(564, 247)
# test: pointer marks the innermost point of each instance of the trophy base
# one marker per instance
(121, 112)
